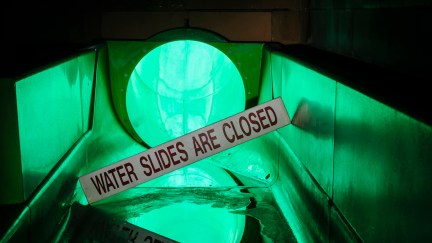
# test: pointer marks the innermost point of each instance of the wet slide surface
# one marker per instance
(195, 214)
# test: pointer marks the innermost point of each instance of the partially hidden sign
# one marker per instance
(184, 150)
(95, 225)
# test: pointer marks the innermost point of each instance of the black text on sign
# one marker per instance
(185, 150)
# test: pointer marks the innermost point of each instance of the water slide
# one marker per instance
(93, 149)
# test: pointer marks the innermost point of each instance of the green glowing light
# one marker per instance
(188, 222)
(182, 86)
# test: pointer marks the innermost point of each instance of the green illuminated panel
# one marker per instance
(306, 143)
(53, 112)
(303, 204)
(309, 98)
(109, 142)
(266, 88)
(382, 168)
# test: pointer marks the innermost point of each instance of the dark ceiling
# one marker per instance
(382, 49)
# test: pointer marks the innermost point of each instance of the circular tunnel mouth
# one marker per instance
(181, 86)
(176, 88)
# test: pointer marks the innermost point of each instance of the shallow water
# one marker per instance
(188, 214)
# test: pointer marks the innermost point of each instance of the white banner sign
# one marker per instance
(185, 150)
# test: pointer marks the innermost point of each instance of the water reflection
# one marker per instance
(231, 214)
(90, 224)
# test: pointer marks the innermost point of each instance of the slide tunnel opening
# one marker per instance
(176, 88)
(179, 87)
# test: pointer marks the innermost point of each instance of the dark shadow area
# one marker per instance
(20, 60)
(407, 94)
(10, 213)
